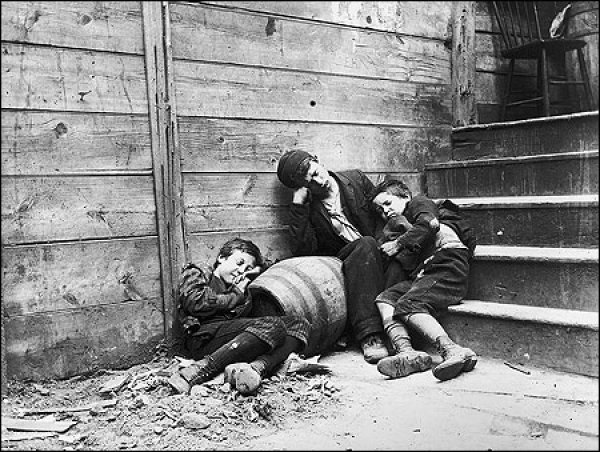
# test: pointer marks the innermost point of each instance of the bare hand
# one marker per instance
(241, 282)
(390, 248)
(300, 195)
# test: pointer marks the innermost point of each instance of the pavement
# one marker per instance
(494, 407)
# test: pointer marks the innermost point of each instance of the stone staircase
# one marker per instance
(530, 189)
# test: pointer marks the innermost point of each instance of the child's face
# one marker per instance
(236, 264)
(390, 205)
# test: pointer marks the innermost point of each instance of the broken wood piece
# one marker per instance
(115, 384)
(59, 409)
(23, 436)
(518, 368)
(36, 425)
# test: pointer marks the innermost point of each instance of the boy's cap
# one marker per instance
(288, 165)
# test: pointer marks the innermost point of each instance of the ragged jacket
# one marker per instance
(205, 298)
(310, 224)
(425, 215)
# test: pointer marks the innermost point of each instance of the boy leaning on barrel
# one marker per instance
(213, 310)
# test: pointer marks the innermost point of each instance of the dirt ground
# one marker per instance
(142, 411)
(494, 407)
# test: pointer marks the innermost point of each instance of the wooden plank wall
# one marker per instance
(360, 84)
(492, 69)
(80, 265)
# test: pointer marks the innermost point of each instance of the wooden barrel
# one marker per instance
(311, 287)
(583, 24)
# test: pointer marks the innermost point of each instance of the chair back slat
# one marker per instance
(519, 22)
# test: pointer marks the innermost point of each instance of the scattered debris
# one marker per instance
(58, 409)
(39, 425)
(195, 421)
(517, 367)
(115, 384)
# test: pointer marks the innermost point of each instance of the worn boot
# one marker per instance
(243, 377)
(199, 372)
(373, 348)
(456, 359)
(406, 359)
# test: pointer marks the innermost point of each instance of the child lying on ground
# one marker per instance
(214, 308)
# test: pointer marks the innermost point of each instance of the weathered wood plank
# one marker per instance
(246, 145)
(54, 277)
(242, 92)
(556, 285)
(74, 80)
(561, 175)
(549, 226)
(415, 18)
(489, 59)
(274, 244)
(79, 341)
(111, 26)
(464, 111)
(245, 38)
(548, 136)
(77, 207)
(36, 142)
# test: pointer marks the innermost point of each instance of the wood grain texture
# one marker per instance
(577, 174)
(555, 285)
(548, 226)
(57, 142)
(77, 207)
(253, 39)
(464, 111)
(242, 92)
(528, 138)
(253, 145)
(72, 80)
(110, 26)
(273, 243)
(399, 17)
(79, 341)
(55, 277)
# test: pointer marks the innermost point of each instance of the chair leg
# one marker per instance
(507, 90)
(544, 83)
(586, 80)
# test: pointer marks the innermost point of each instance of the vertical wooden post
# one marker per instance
(165, 157)
(464, 108)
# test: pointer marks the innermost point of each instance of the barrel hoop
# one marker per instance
(336, 270)
(314, 290)
(278, 280)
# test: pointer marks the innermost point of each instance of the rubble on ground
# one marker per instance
(136, 408)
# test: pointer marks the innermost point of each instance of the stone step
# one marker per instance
(562, 278)
(555, 134)
(552, 221)
(559, 339)
(546, 174)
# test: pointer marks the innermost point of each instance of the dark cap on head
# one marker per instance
(288, 166)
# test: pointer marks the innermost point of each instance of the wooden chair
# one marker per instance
(519, 23)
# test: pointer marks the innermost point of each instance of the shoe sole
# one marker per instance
(396, 367)
(448, 370)
(244, 378)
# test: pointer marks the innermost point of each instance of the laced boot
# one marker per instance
(406, 360)
(196, 373)
(456, 359)
(243, 377)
